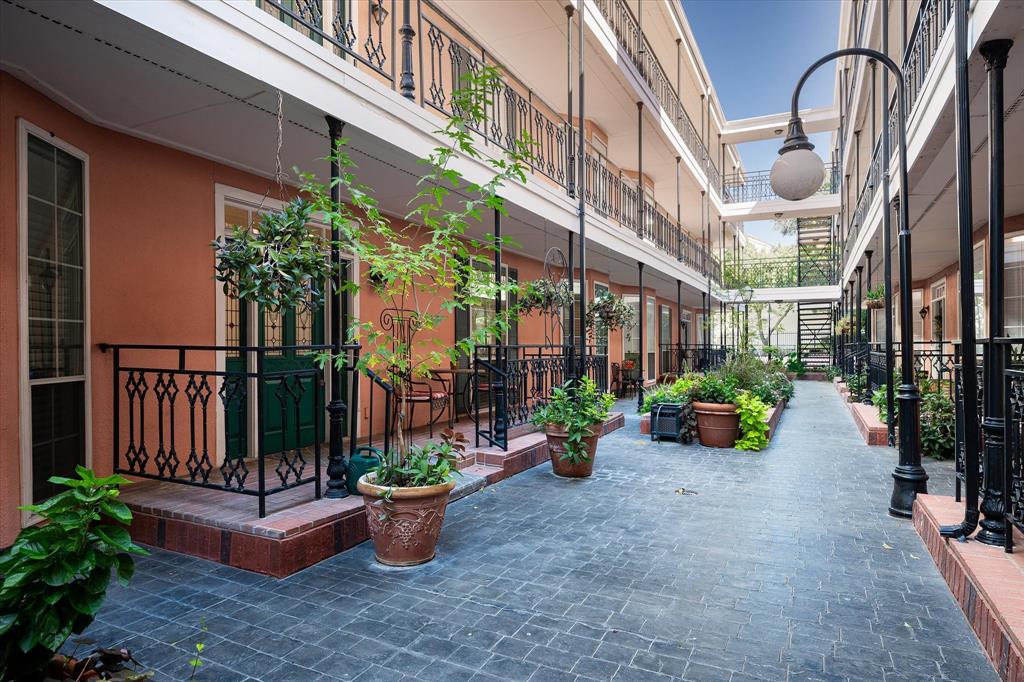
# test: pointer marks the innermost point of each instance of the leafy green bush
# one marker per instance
(753, 422)
(879, 399)
(56, 574)
(575, 407)
(857, 383)
(716, 388)
(677, 393)
(832, 372)
(795, 364)
(938, 426)
(422, 465)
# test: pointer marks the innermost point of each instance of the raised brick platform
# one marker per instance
(872, 429)
(987, 583)
(774, 417)
(298, 530)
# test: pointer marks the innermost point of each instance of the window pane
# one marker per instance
(42, 363)
(69, 282)
(69, 237)
(41, 240)
(40, 169)
(980, 321)
(69, 182)
(1014, 285)
(58, 434)
(70, 349)
(42, 279)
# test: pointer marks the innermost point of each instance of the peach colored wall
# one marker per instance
(151, 219)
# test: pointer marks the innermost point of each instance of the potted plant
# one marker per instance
(406, 496)
(571, 419)
(547, 296)
(609, 313)
(678, 394)
(715, 405)
(875, 297)
(843, 325)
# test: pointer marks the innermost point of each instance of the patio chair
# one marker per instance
(616, 386)
(412, 392)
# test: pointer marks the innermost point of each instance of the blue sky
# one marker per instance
(755, 51)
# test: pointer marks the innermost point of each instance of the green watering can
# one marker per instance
(365, 459)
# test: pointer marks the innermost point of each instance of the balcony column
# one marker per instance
(967, 403)
(860, 305)
(890, 360)
(679, 326)
(679, 215)
(336, 408)
(641, 204)
(569, 339)
(867, 255)
(500, 421)
(643, 324)
(581, 192)
(407, 85)
(721, 303)
(570, 184)
(874, 105)
(993, 507)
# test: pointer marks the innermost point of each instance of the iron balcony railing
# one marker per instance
(445, 52)
(634, 43)
(781, 271)
(511, 381)
(679, 358)
(756, 186)
(165, 405)
(859, 215)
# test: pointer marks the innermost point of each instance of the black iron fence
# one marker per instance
(679, 358)
(511, 381)
(935, 364)
(255, 427)
(757, 186)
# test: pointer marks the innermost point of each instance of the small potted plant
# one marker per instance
(609, 313)
(406, 497)
(571, 419)
(875, 297)
(843, 325)
(715, 404)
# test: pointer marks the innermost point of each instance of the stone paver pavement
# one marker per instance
(782, 565)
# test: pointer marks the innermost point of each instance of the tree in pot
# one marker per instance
(571, 419)
(715, 404)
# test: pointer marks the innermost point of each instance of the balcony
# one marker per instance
(802, 270)
(756, 185)
(441, 52)
(636, 46)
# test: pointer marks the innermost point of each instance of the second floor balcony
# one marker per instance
(756, 186)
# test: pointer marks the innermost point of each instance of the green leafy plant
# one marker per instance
(876, 296)
(753, 422)
(879, 398)
(857, 383)
(547, 296)
(576, 407)
(938, 425)
(831, 373)
(56, 573)
(795, 364)
(422, 465)
(608, 313)
(678, 392)
(197, 659)
(282, 263)
(716, 388)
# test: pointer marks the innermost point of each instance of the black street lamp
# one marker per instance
(797, 174)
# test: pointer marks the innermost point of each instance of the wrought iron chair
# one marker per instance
(616, 385)
(412, 392)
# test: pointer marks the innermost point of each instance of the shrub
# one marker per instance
(795, 364)
(677, 393)
(56, 574)
(938, 425)
(575, 406)
(716, 388)
(879, 400)
(753, 422)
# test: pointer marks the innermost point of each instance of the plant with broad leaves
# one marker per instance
(55, 575)
(608, 313)
(547, 296)
(576, 407)
(753, 422)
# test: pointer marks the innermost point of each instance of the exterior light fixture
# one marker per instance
(923, 312)
(799, 171)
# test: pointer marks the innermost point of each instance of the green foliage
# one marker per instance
(832, 372)
(423, 465)
(547, 296)
(608, 313)
(795, 364)
(753, 422)
(745, 371)
(876, 293)
(879, 398)
(281, 264)
(716, 388)
(938, 425)
(857, 383)
(677, 393)
(56, 573)
(575, 407)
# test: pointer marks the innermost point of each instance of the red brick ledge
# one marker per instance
(986, 582)
(872, 429)
(774, 417)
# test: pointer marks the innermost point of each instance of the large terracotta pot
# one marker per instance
(406, 527)
(717, 425)
(557, 437)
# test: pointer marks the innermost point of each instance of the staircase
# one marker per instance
(814, 333)
(816, 252)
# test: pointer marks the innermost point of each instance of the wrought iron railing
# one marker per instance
(511, 381)
(1013, 437)
(872, 182)
(679, 358)
(757, 186)
(634, 43)
(935, 362)
(617, 197)
(165, 405)
(780, 271)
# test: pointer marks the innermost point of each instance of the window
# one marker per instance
(482, 314)
(571, 325)
(665, 337)
(601, 335)
(631, 337)
(917, 302)
(1013, 284)
(980, 321)
(937, 311)
(54, 215)
(649, 339)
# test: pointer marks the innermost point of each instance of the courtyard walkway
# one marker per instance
(671, 562)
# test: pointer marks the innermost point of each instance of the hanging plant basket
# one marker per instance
(874, 304)
(608, 313)
(547, 296)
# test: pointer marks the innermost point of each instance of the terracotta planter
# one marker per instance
(557, 438)
(717, 425)
(406, 527)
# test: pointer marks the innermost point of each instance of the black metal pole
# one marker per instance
(968, 397)
(679, 215)
(336, 408)
(582, 206)
(570, 184)
(500, 417)
(643, 323)
(407, 85)
(993, 507)
(890, 360)
(858, 313)
(867, 256)
(570, 340)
